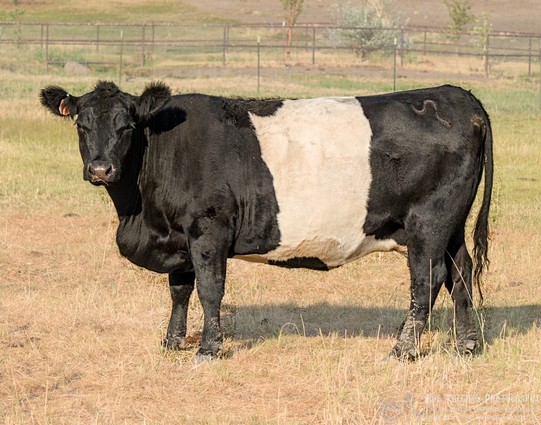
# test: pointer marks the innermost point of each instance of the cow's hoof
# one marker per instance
(404, 352)
(174, 343)
(467, 346)
(202, 357)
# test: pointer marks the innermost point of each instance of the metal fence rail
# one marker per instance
(145, 45)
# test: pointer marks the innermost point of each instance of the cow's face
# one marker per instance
(106, 119)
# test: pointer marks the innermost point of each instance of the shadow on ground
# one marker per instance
(257, 322)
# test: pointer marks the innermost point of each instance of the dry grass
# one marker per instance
(80, 326)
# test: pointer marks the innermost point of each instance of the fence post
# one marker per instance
(97, 38)
(224, 46)
(47, 47)
(258, 62)
(120, 59)
(153, 40)
(143, 45)
(401, 48)
(313, 45)
(394, 64)
(486, 58)
(529, 56)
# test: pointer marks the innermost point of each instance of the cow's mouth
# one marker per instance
(96, 181)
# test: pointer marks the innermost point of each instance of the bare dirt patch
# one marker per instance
(521, 15)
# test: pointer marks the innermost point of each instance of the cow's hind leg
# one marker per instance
(459, 285)
(428, 270)
(181, 286)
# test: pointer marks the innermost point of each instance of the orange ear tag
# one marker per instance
(63, 108)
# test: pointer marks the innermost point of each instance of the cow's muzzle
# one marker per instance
(101, 172)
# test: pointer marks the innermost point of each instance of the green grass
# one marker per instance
(80, 326)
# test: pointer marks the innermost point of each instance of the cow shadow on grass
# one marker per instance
(255, 323)
(270, 320)
(503, 322)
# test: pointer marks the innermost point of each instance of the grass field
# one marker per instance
(80, 327)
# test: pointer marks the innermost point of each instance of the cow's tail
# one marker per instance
(481, 232)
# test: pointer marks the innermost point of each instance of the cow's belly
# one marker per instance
(326, 253)
(318, 153)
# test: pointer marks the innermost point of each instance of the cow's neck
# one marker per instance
(126, 199)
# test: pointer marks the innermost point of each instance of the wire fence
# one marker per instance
(102, 47)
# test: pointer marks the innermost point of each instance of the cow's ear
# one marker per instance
(59, 101)
(152, 99)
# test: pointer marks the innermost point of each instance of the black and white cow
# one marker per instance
(314, 183)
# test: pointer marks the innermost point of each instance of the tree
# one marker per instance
(460, 14)
(292, 9)
(365, 25)
(482, 30)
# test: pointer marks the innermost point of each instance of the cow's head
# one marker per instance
(106, 119)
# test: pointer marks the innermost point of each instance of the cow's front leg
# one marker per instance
(427, 277)
(181, 286)
(208, 249)
(210, 289)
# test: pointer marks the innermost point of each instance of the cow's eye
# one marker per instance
(125, 128)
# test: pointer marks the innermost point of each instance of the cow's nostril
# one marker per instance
(100, 171)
